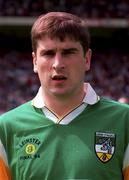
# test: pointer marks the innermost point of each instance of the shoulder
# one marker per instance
(113, 106)
(16, 112)
(105, 105)
(113, 103)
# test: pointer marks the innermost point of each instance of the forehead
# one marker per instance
(52, 43)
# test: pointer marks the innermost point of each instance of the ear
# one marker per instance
(34, 62)
(88, 59)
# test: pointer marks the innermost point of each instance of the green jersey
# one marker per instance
(93, 146)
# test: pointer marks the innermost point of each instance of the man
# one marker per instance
(67, 131)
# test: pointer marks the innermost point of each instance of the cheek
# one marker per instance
(78, 71)
(81, 67)
(82, 70)
(42, 66)
(43, 71)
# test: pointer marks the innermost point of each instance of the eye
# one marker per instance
(48, 53)
(69, 51)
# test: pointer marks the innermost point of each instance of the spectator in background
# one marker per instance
(123, 99)
(67, 130)
(107, 81)
(87, 8)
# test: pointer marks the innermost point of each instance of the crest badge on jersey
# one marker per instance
(104, 145)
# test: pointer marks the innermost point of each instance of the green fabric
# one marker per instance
(38, 149)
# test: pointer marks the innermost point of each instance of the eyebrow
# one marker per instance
(70, 49)
(63, 49)
(44, 51)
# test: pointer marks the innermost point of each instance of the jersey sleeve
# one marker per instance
(4, 169)
(126, 164)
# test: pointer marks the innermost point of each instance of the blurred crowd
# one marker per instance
(109, 75)
(17, 82)
(87, 8)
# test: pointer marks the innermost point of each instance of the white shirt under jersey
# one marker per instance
(90, 98)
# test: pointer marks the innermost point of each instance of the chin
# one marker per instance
(58, 91)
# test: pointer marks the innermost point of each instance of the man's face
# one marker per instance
(61, 66)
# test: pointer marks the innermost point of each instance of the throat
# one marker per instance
(61, 106)
(61, 113)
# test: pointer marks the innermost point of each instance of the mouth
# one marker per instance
(59, 77)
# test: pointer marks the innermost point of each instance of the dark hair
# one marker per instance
(60, 25)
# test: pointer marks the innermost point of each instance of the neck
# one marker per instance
(62, 105)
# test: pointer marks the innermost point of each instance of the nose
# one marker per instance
(58, 63)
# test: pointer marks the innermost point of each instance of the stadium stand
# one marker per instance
(110, 69)
(87, 8)
(18, 82)
(109, 75)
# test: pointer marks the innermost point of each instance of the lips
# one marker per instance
(59, 77)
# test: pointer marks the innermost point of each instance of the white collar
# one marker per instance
(90, 98)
